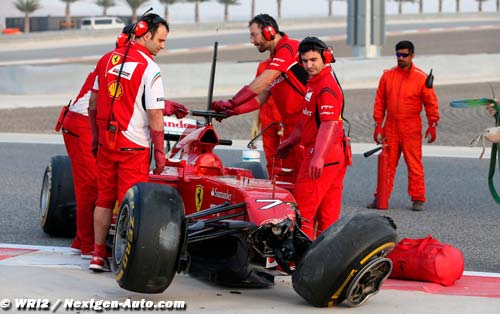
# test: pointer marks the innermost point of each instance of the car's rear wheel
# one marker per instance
(148, 239)
(57, 198)
(327, 274)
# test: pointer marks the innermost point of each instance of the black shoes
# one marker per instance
(418, 206)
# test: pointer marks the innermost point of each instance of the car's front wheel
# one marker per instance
(148, 239)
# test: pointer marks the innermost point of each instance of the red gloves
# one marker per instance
(287, 145)
(157, 139)
(172, 107)
(94, 130)
(431, 133)
(378, 134)
(244, 98)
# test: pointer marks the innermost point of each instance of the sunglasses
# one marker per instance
(402, 54)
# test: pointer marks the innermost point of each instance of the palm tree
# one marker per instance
(167, 4)
(400, 7)
(134, 5)
(458, 6)
(67, 12)
(421, 6)
(330, 5)
(498, 5)
(226, 4)
(252, 9)
(27, 7)
(196, 9)
(105, 4)
(440, 6)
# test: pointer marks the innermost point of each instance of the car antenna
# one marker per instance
(212, 81)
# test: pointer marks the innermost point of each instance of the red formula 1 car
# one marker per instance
(224, 225)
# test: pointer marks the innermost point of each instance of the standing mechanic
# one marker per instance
(74, 123)
(283, 78)
(126, 106)
(319, 185)
(77, 135)
(399, 98)
(268, 120)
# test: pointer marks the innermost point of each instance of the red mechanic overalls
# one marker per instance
(321, 200)
(399, 99)
(78, 138)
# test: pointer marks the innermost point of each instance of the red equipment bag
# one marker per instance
(427, 260)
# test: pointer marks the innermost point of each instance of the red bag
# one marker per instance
(427, 260)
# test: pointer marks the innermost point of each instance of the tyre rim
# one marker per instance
(121, 236)
(45, 194)
(368, 281)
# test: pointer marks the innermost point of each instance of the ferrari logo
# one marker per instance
(198, 197)
(115, 59)
(112, 89)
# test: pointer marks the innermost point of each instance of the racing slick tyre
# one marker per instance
(258, 171)
(149, 237)
(347, 261)
(57, 199)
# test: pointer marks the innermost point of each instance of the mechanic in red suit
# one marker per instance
(268, 120)
(77, 139)
(318, 190)
(126, 114)
(401, 92)
(283, 78)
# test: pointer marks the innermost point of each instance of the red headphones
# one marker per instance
(140, 29)
(326, 52)
(268, 32)
(266, 26)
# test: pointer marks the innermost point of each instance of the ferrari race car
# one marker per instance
(225, 225)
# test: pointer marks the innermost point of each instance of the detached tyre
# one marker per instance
(255, 167)
(347, 261)
(149, 237)
(57, 199)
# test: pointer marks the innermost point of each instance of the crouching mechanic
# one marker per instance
(126, 110)
(283, 78)
(318, 190)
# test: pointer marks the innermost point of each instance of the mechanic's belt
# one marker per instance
(70, 133)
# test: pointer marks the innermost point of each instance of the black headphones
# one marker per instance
(326, 52)
(266, 25)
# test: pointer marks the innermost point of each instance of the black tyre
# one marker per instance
(258, 171)
(57, 199)
(149, 237)
(324, 274)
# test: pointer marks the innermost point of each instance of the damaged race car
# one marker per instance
(222, 224)
(227, 225)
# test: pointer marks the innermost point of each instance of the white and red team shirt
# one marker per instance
(287, 98)
(140, 89)
(323, 101)
(81, 103)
